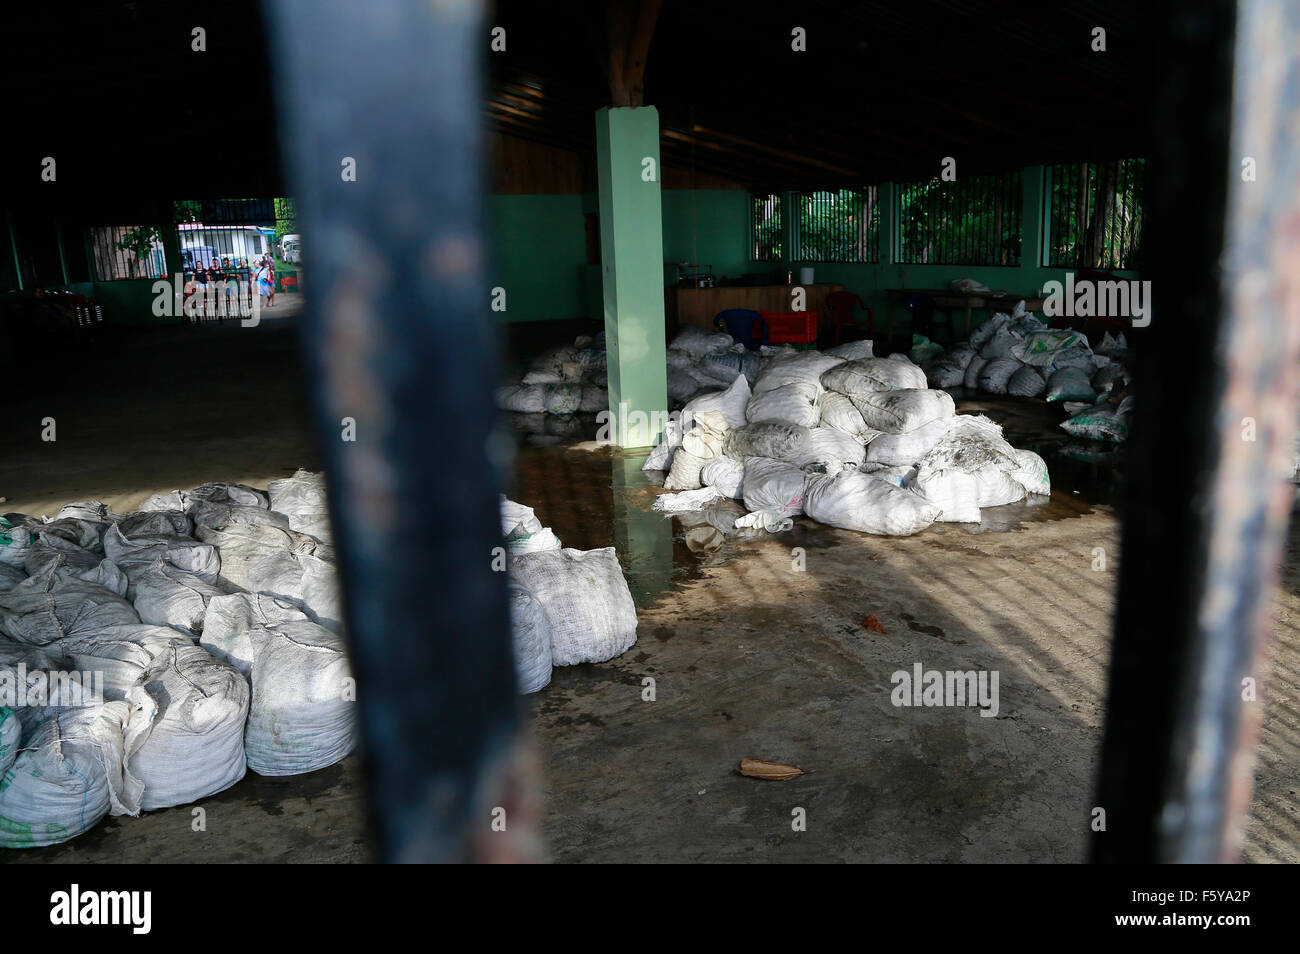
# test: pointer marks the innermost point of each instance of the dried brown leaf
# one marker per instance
(770, 771)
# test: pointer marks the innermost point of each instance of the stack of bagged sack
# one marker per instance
(560, 384)
(851, 440)
(567, 606)
(211, 616)
(571, 379)
(1018, 354)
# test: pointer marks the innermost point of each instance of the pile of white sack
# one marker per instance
(560, 383)
(211, 617)
(571, 379)
(851, 440)
(567, 606)
(1018, 354)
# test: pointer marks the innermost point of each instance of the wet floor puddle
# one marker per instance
(597, 496)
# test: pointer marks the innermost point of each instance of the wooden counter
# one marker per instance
(699, 306)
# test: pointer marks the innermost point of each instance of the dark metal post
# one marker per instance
(1208, 500)
(379, 108)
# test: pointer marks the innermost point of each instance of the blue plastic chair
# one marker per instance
(743, 324)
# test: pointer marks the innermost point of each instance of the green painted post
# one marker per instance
(632, 272)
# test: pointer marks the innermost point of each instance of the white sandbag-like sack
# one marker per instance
(996, 374)
(157, 523)
(302, 499)
(868, 375)
(11, 731)
(996, 487)
(1031, 472)
(973, 446)
(838, 412)
(681, 386)
(986, 330)
(955, 492)
(230, 620)
(561, 398)
(971, 380)
(303, 714)
(195, 745)
(166, 596)
(71, 771)
(855, 501)
(1040, 348)
(521, 398)
(773, 486)
(531, 638)
(799, 367)
(524, 533)
(949, 369)
(586, 599)
(725, 474)
(698, 343)
(661, 455)
(999, 344)
(45, 608)
(1026, 382)
(788, 404)
(830, 451)
(851, 350)
(772, 439)
(701, 444)
(221, 493)
(896, 412)
(15, 540)
(137, 554)
(908, 447)
(1070, 384)
(1100, 423)
(68, 560)
(10, 576)
(730, 403)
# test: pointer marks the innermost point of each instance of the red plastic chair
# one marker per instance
(841, 305)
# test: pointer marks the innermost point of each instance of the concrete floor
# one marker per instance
(750, 657)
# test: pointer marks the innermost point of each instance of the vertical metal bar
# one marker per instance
(398, 337)
(1203, 539)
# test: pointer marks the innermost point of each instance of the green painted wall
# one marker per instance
(707, 227)
(540, 247)
(540, 256)
(129, 302)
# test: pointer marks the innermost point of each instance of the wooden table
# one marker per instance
(947, 300)
(698, 307)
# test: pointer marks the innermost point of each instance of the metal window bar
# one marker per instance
(975, 221)
(113, 262)
(1096, 214)
(840, 226)
(765, 222)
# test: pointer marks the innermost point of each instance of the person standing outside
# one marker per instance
(264, 283)
(201, 285)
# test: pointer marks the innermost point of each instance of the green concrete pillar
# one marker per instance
(632, 272)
